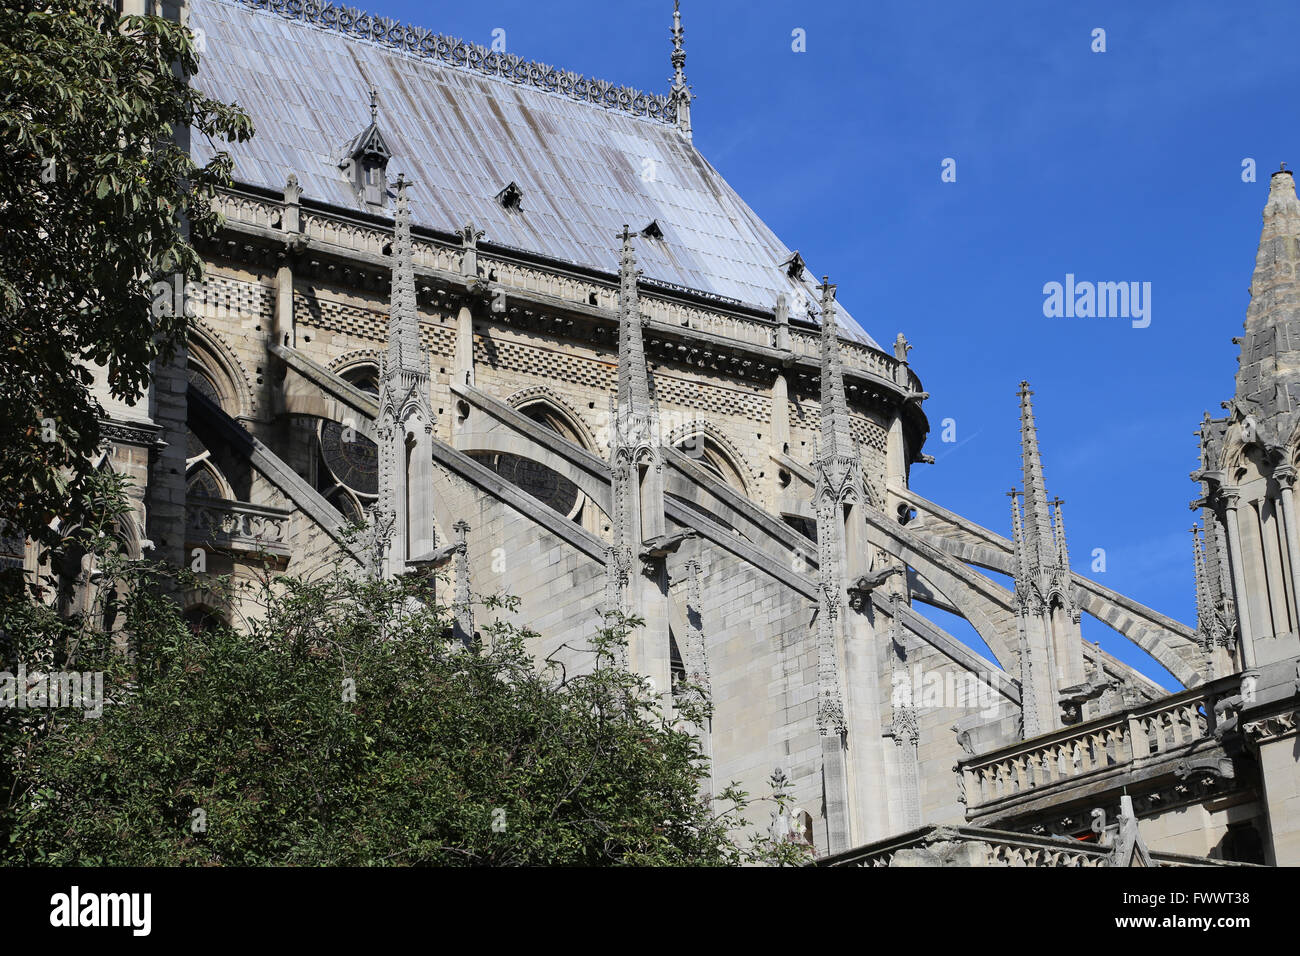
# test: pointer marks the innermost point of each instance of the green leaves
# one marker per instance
(94, 195)
(444, 755)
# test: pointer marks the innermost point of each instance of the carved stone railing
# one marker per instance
(529, 278)
(740, 328)
(1154, 732)
(858, 356)
(354, 236)
(436, 255)
(236, 526)
(967, 846)
(237, 207)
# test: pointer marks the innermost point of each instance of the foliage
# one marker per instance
(250, 747)
(95, 204)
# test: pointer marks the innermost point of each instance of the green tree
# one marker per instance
(344, 725)
(95, 204)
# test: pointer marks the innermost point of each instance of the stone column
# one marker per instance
(464, 363)
(464, 359)
(1285, 476)
(1230, 497)
(780, 437)
(864, 710)
(290, 223)
(462, 605)
(780, 388)
(168, 404)
(419, 490)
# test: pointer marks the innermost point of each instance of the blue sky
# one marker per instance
(1117, 166)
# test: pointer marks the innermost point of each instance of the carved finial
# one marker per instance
(828, 293)
(836, 436)
(289, 221)
(680, 95)
(374, 104)
(469, 236)
(1038, 525)
(679, 48)
(404, 351)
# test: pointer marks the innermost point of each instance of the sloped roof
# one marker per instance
(462, 135)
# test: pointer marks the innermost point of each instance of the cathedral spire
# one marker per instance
(680, 95)
(1058, 524)
(633, 383)
(402, 518)
(1040, 548)
(1204, 606)
(836, 439)
(404, 353)
(1267, 386)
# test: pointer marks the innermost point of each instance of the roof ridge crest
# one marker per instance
(461, 54)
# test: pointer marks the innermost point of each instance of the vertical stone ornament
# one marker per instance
(405, 422)
(1263, 416)
(1211, 632)
(694, 651)
(680, 95)
(1054, 683)
(636, 461)
(284, 331)
(839, 480)
(462, 606)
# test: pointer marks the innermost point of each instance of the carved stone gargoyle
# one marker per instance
(435, 559)
(663, 545)
(1206, 768)
(860, 590)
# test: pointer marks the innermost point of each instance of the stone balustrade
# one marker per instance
(1153, 732)
(236, 526)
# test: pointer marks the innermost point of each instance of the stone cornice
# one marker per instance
(872, 377)
(1276, 726)
(143, 434)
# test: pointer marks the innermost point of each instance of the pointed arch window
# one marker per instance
(710, 455)
(203, 482)
(543, 483)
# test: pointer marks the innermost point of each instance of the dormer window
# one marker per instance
(794, 266)
(511, 198)
(365, 161)
(653, 230)
(366, 167)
